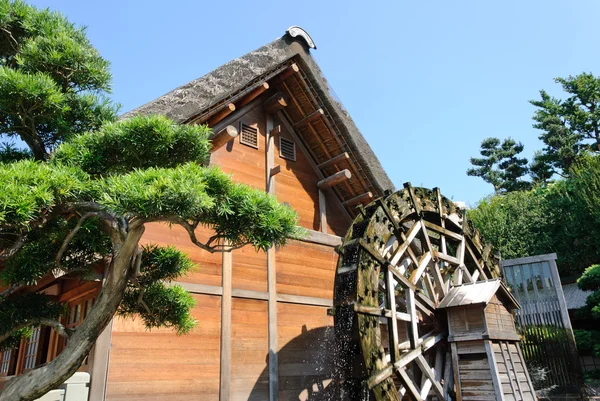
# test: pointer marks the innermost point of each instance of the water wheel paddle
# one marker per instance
(400, 258)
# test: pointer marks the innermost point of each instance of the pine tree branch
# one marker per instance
(70, 237)
(56, 325)
(16, 246)
(206, 246)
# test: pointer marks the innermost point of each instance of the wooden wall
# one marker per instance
(498, 318)
(466, 320)
(161, 365)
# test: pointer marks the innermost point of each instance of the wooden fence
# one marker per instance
(543, 320)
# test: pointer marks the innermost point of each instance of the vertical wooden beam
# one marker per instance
(323, 211)
(225, 377)
(272, 270)
(456, 370)
(494, 371)
(99, 360)
(448, 377)
(411, 308)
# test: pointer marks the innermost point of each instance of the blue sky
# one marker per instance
(425, 82)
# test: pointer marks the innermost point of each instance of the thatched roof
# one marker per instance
(206, 93)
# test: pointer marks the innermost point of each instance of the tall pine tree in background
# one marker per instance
(82, 194)
(568, 126)
(500, 165)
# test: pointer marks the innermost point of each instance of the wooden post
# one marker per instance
(225, 377)
(222, 137)
(221, 114)
(292, 69)
(456, 370)
(367, 196)
(334, 179)
(275, 103)
(271, 170)
(494, 371)
(99, 360)
(334, 160)
(256, 92)
(323, 211)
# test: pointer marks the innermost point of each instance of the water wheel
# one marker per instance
(401, 256)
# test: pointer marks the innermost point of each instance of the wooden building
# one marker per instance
(488, 362)
(264, 332)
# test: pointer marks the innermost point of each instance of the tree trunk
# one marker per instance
(36, 146)
(38, 382)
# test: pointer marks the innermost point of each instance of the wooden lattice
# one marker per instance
(400, 258)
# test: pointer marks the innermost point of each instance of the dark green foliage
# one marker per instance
(156, 303)
(27, 308)
(500, 165)
(10, 153)
(30, 190)
(563, 217)
(590, 279)
(514, 223)
(162, 263)
(162, 306)
(136, 143)
(569, 126)
(52, 81)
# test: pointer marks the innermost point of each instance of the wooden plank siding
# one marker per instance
(161, 365)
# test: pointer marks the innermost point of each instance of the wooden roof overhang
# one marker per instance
(310, 120)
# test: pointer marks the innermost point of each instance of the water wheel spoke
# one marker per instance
(406, 249)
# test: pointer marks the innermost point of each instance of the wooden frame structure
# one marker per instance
(403, 259)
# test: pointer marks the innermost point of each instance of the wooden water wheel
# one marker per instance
(400, 258)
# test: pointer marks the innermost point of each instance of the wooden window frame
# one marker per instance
(281, 140)
(12, 361)
(241, 135)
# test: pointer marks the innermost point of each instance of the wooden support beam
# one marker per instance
(272, 330)
(232, 118)
(221, 114)
(493, 370)
(276, 102)
(291, 70)
(312, 117)
(334, 160)
(275, 131)
(272, 269)
(99, 360)
(222, 137)
(456, 371)
(275, 170)
(360, 199)
(256, 92)
(323, 211)
(225, 373)
(334, 179)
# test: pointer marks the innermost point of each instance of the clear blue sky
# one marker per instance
(425, 82)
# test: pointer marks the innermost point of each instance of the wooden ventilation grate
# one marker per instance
(287, 149)
(249, 135)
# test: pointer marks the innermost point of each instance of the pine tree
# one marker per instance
(83, 194)
(568, 126)
(500, 165)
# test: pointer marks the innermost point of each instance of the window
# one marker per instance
(249, 135)
(5, 363)
(31, 349)
(287, 149)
